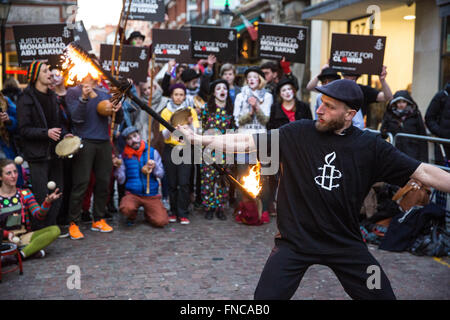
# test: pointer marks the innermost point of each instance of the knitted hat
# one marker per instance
(177, 86)
(33, 71)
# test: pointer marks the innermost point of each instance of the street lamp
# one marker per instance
(5, 5)
(226, 16)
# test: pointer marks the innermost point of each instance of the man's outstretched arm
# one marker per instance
(432, 176)
(228, 143)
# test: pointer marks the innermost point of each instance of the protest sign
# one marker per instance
(133, 64)
(221, 42)
(81, 37)
(41, 42)
(172, 44)
(146, 10)
(278, 41)
(357, 54)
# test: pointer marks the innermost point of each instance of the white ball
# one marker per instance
(16, 239)
(18, 160)
(51, 185)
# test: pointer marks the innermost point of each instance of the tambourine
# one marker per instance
(68, 146)
(104, 108)
(180, 117)
(198, 103)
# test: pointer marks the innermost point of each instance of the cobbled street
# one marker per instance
(206, 260)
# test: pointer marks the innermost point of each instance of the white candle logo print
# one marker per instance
(329, 173)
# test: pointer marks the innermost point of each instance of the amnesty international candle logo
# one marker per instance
(379, 45)
(329, 173)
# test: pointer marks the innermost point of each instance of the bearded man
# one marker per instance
(327, 169)
(133, 171)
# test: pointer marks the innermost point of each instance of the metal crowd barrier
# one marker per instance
(427, 139)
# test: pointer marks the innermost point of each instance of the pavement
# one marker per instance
(206, 260)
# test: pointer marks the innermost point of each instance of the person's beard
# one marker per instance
(331, 126)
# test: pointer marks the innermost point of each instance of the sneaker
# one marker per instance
(101, 226)
(221, 215)
(172, 218)
(38, 255)
(86, 216)
(64, 231)
(209, 215)
(74, 232)
(184, 221)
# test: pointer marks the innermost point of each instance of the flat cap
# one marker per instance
(344, 90)
(128, 130)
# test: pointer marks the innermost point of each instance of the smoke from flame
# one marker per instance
(252, 181)
(76, 66)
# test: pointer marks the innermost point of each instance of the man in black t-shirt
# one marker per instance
(327, 168)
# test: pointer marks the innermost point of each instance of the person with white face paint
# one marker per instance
(252, 105)
(216, 118)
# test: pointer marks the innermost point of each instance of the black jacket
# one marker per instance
(278, 118)
(411, 123)
(12, 93)
(437, 117)
(32, 124)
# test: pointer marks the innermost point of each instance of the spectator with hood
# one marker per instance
(403, 116)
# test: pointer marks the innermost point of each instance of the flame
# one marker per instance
(252, 181)
(77, 66)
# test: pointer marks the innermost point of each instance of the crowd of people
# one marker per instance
(134, 158)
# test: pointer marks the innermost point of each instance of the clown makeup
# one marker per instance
(57, 78)
(221, 92)
(253, 80)
(133, 140)
(287, 92)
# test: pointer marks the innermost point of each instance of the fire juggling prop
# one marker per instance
(78, 65)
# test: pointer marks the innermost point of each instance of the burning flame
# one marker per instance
(252, 182)
(77, 66)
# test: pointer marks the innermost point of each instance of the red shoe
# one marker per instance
(265, 218)
(172, 218)
(184, 221)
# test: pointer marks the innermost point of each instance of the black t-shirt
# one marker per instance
(370, 96)
(324, 179)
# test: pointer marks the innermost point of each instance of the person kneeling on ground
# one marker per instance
(134, 169)
(17, 208)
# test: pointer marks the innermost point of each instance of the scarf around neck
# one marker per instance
(130, 152)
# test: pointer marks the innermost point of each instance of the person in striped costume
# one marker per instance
(18, 207)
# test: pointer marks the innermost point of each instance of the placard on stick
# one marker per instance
(357, 54)
(278, 41)
(133, 64)
(170, 44)
(221, 42)
(80, 36)
(41, 42)
(146, 10)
